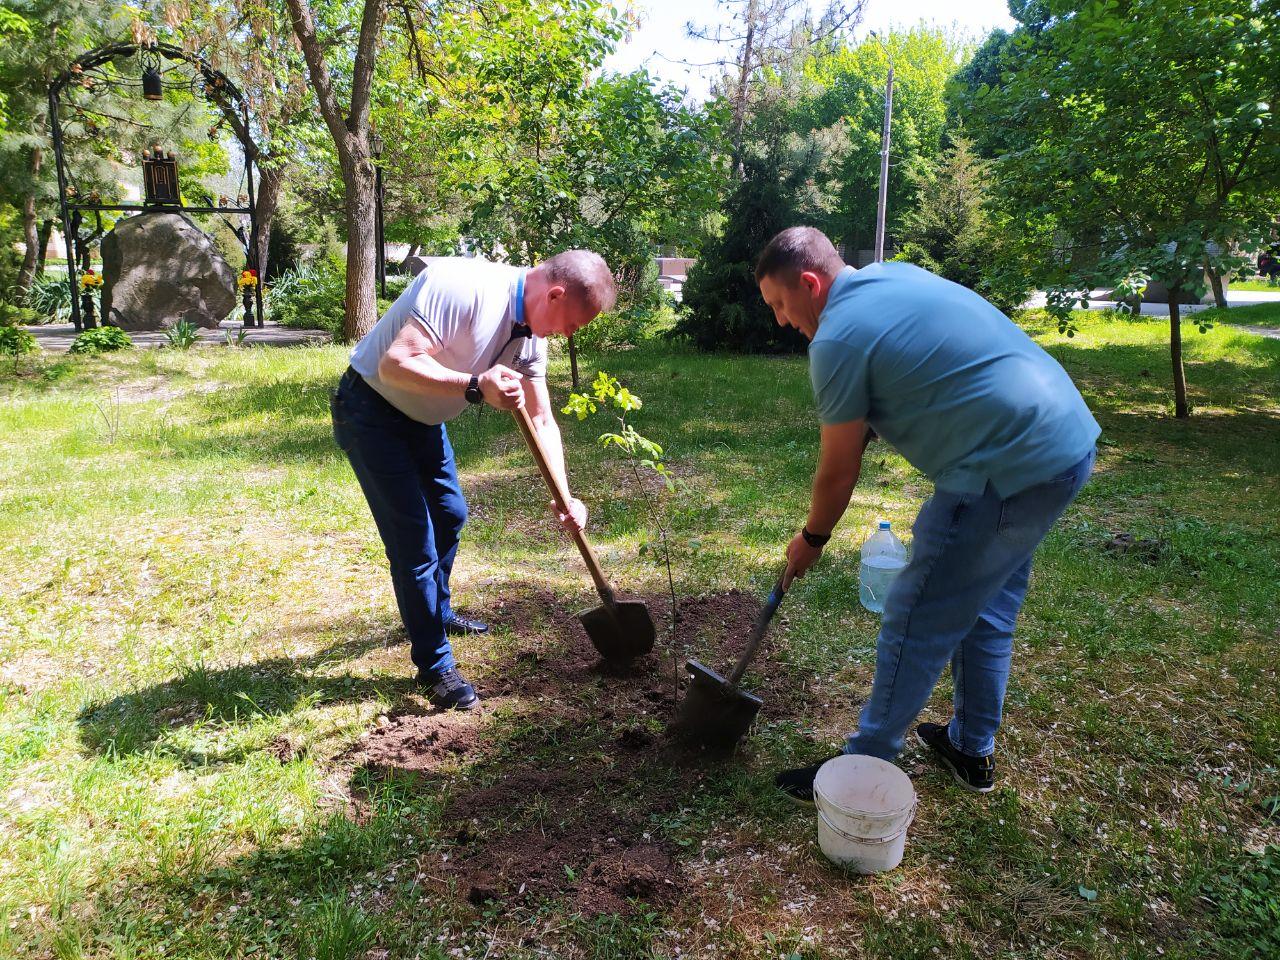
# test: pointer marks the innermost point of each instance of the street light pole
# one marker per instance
(375, 148)
(884, 166)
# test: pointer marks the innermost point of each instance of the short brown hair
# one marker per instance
(584, 274)
(795, 251)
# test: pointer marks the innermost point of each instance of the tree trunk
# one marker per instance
(350, 131)
(46, 231)
(573, 362)
(413, 252)
(30, 229)
(1219, 293)
(362, 256)
(740, 101)
(270, 184)
(1180, 409)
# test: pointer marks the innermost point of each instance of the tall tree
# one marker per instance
(768, 37)
(43, 36)
(848, 85)
(343, 94)
(253, 43)
(1145, 130)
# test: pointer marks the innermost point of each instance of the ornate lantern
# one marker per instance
(152, 86)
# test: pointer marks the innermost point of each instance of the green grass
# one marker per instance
(196, 631)
(1257, 286)
(1257, 315)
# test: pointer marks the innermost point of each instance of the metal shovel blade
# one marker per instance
(714, 714)
(619, 632)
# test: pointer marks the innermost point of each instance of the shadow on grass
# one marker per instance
(141, 720)
(560, 793)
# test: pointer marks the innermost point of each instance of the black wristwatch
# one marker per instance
(815, 540)
(472, 393)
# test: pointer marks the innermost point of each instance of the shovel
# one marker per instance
(715, 712)
(620, 630)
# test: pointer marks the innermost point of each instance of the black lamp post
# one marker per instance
(375, 148)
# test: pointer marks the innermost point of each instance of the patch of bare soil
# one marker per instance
(421, 742)
(569, 832)
(563, 803)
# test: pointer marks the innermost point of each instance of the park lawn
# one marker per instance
(211, 747)
(1257, 286)
(1255, 315)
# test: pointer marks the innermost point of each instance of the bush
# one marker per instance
(722, 308)
(14, 342)
(50, 298)
(629, 326)
(101, 340)
(312, 296)
(12, 315)
(182, 335)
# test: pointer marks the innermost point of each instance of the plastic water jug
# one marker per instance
(883, 557)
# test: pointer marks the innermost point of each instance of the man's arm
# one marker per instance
(839, 465)
(538, 403)
(409, 365)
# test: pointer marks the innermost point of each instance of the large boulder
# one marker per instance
(160, 268)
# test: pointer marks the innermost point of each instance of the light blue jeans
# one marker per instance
(958, 600)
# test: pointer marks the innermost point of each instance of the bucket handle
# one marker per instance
(878, 840)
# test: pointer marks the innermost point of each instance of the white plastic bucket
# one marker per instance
(865, 805)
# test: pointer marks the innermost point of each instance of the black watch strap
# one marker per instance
(815, 540)
(472, 393)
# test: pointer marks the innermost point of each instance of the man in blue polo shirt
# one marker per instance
(970, 400)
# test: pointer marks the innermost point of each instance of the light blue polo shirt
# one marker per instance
(947, 379)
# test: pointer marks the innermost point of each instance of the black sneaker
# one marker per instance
(459, 626)
(797, 784)
(449, 691)
(972, 773)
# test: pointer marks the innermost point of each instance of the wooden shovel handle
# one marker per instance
(561, 497)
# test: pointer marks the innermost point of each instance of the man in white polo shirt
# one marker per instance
(466, 331)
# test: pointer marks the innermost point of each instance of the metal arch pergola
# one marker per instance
(218, 90)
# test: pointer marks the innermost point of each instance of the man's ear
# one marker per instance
(812, 282)
(555, 293)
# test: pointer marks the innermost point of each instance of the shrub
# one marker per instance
(50, 298)
(15, 342)
(722, 307)
(101, 340)
(12, 315)
(312, 296)
(182, 335)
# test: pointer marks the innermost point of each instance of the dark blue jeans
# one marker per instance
(407, 472)
(958, 600)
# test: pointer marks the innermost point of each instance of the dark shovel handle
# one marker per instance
(561, 496)
(757, 632)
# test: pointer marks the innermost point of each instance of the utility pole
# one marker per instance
(884, 166)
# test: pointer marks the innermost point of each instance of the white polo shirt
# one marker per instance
(468, 308)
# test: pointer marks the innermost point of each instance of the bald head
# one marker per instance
(585, 276)
(566, 292)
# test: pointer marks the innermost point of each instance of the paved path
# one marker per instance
(1235, 298)
(57, 337)
(1272, 333)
